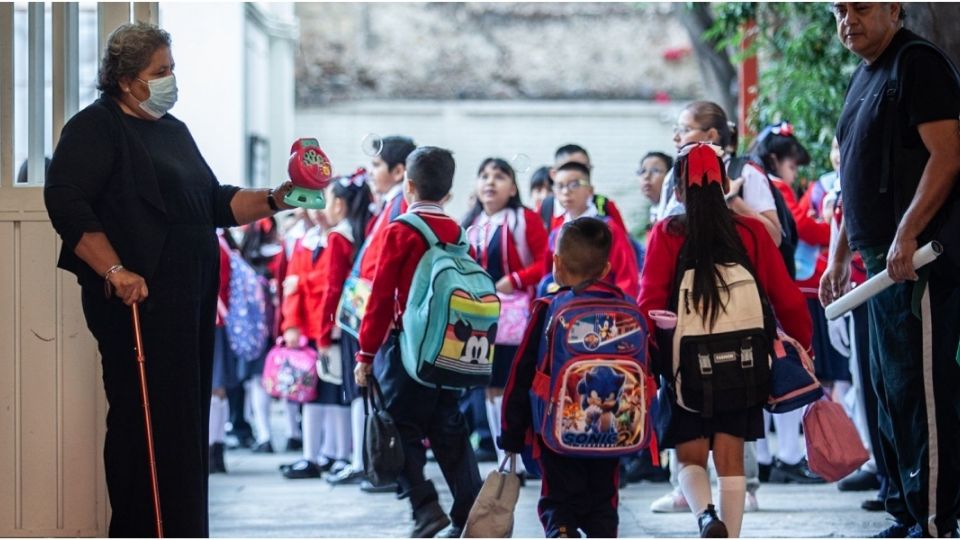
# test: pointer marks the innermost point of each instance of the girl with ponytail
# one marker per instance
(709, 235)
(318, 269)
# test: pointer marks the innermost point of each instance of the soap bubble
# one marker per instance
(520, 163)
(371, 144)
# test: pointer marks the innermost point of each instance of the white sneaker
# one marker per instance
(750, 504)
(671, 502)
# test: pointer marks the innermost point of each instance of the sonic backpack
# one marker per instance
(592, 388)
(450, 321)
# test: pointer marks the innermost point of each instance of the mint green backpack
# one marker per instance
(450, 322)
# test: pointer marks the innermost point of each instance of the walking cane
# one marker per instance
(145, 400)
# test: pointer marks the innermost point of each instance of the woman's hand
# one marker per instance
(282, 191)
(128, 286)
(505, 285)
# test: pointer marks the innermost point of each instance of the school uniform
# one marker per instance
(511, 243)
(624, 272)
(419, 411)
(676, 425)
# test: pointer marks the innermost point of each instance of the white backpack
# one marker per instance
(727, 368)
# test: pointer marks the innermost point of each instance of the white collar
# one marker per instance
(591, 211)
(344, 229)
(495, 220)
(314, 237)
(425, 207)
(392, 193)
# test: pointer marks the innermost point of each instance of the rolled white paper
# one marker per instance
(853, 299)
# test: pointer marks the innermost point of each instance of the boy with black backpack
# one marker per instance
(581, 369)
(430, 322)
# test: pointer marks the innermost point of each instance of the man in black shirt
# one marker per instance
(900, 157)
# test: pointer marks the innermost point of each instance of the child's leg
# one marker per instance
(494, 402)
(343, 432)
(357, 420)
(260, 402)
(789, 443)
(764, 452)
(562, 482)
(293, 419)
(693, 478)
(450, 442)
(219, 410)
(312, 431)
(600, 519)
(728, 456)
(329, 447)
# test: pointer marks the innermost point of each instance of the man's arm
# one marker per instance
(836, 279)
(942, 140)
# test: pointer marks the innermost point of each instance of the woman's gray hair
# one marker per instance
(127, 53)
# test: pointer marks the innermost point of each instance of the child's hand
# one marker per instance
(361, 372)
(291, 338)
(505, 285)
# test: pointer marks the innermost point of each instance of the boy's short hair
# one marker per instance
(395, 149)
(541, 179)
(430, 170)
(574, 166)
(569, 149)
(584, 246)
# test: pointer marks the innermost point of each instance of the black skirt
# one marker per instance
(676, 425)
(348, 352)
(502, 362)
(829, 364)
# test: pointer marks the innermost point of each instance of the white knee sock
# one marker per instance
(733, 489)
(329, 447)
(219, 412)
(342, 433)
(357, 421)
(312, 431)
(293, 419)
(260, 400)
(764, 456)
(790, 448)
(695, 485)
(493, 418)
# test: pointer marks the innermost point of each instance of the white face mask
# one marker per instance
(163, 96)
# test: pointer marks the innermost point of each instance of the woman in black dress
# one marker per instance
(137, 208)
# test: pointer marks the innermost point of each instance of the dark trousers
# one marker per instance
(915, 330)
(578, 493)
(861, 330)
(428, 413)
(178, 346)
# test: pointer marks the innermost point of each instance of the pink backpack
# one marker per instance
(291, 374)
(834, 449)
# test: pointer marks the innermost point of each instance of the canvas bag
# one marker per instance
(382, 445)
(450, 320)
(595, 342)
(793, 383)
(330, 366)
(726, 368)
(291, 373)
(834, 448)
(491, 515)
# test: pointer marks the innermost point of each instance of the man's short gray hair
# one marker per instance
(127, 53)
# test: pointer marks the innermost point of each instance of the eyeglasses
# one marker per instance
(652, 171)
(571, 186)
(681, 130)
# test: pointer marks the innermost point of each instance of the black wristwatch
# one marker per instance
(272, 202)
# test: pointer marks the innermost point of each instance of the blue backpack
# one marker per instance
(247, 320)
(592, 390)
(450, 320)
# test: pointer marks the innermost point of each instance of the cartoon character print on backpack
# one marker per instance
(477, 348)
(609, 332)
(600, 391)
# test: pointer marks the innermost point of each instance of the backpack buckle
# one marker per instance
(746, 355)
(706, 367)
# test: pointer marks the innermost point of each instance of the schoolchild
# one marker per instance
(386, 181)
(541, 186)
(576, 197)
(318, 269)
(654, 168)
(707, 235)
(420, 412)
(510, 243)
(577, 493)
(224, 363)
(551, 209)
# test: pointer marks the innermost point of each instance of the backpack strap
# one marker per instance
(417, 223)
(891, 131)
(602, 208)
(546, 211)
(706, 375)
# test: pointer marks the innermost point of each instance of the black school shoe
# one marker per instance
(710, 524)
(263, 448)
(367, 486)
(895, 530)
(781, 473)
(294, 444)
(429, 519)
(452, 532)
(859, 481)
(873, 505)
(303, 469)
(347, 475)
(216, 459)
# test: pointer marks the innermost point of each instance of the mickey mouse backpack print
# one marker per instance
(450, 321)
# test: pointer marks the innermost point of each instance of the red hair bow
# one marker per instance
(703, 165)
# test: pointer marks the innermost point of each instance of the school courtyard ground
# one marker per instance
(254, 500)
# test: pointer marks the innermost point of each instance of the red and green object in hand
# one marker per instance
(310, 171)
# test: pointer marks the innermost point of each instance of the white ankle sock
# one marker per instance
(293, 419)
(312, 431)
(342, 434)
(695, 485)
(357, 420)
(733, 489)
(219, 412)
(260, 401)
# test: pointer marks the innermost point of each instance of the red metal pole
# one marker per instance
(145, 400)
(748, 83)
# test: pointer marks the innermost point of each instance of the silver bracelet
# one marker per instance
(112, 270)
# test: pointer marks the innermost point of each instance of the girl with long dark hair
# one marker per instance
(709, 234)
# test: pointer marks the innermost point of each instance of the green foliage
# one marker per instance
(804, 69)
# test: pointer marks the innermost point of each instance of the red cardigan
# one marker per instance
(623, 260)
(375, 243)
(660, 267)
(523, 276)
(393, 276)
(311, 304)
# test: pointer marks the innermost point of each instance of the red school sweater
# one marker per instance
(660, 267)
(535, 236)
(403, 247)
(623, 260)
(311, 304)
(375, 244)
